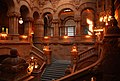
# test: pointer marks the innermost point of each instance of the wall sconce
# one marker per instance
(65, 37)
(87, 36)
(46, 37)
(3, 35)
(24, 36)
(32, 32)
(20, 21)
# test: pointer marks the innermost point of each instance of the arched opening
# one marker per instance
(24, 11)
(70, 27)
(4, 23)
(67, 25)
(87, 22)
(48, 29)
(35, 29)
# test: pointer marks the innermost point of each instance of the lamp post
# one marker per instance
(74, 54)
(47, 52)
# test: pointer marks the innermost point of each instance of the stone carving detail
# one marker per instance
(54, 2)
(76, 2)
(41, 2)
(13, 14)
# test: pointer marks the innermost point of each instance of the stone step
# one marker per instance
(55, 70)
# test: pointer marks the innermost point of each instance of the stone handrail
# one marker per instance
(83, 55)
(38, 51)
(86, 53)
(77, 74)
(15, 37)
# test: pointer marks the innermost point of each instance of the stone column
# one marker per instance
(28, 26)
(39, 30)
(13, 24)
(78, 27)
(56, 27)
(47, 52)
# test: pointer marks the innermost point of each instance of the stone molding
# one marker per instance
(14, 14)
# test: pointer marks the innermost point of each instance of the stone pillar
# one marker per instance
(78, 27)
(28, 26)
(47, 52)
(56, 27)
(74, 55)
(39, 30)
(13, 24)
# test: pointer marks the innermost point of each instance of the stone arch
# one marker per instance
(36, 24)
(25, 3)
(89, 8)
(46, 10)
(36, 15)
(64, 6)
(5, 7)
(36, 9)
(86, 6)
(68, 18)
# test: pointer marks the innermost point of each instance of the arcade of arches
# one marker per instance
(48, 22)
(30, 25)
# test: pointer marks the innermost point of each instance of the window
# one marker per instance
(68, 29)
(71, 31)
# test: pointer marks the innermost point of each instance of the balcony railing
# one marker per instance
(14, 38)
(66, 39)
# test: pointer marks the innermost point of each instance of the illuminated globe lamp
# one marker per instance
(20, 21)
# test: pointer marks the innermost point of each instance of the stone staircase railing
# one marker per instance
(84, 71)
(41, 60)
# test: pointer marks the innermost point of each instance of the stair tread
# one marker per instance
(55, 70)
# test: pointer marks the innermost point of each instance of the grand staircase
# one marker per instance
(55, 70)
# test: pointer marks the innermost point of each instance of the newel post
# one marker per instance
(48, 52)
(74, 55)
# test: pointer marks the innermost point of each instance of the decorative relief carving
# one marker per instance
(54, 2)
(13, 14)
(29, 19)
(41, 2)
(76, 3)
(55, 21)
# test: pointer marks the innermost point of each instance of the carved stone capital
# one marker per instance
(55, 21)
(78, 19)
(14, 14)
(28, 19)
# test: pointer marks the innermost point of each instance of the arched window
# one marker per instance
(48, 29)
(87, 22)
(68, 29)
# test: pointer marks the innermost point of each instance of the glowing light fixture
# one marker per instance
(87, 36)
(65, 37)
(98, 30)
(24, 36)
(46, 37)
(21, 21)
(67, 10)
